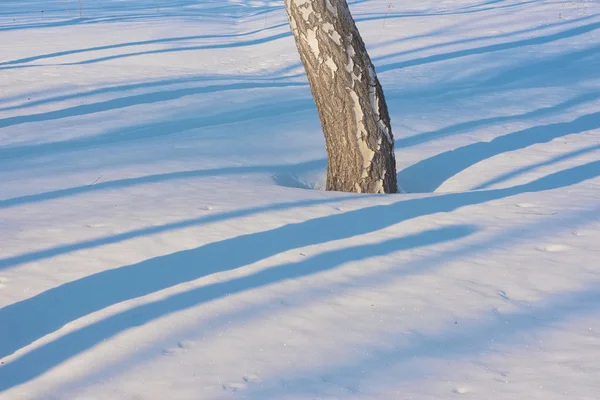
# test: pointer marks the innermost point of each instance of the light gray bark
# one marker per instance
(348, 96)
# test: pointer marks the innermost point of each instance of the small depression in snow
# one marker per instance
(314, 181)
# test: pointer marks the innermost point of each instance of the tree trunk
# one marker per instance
(349, 98)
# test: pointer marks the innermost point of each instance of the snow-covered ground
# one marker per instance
(160, 238)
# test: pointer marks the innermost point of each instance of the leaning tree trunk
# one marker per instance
(349, 98)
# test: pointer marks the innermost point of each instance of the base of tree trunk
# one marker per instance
(348, 96)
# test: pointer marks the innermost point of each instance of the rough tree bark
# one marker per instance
(348, 96)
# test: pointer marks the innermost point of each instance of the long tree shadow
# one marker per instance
(536, 29)
(428, 175)
(503, 46)
(372, 280)
(111, 89)
(582, 65)
(529, 168)
(78, 21)
(135, 100)
(152, 230)
(162, 128)
(462, 11)
(54, 353)
(229, 45)
(564, 69)
(225, 45)
(471, 125)
(577, 31)
(132, 44)
(40, 315)
(485, 3)
(496, 331)
(275, 76)
(312, 165)
(129, 12)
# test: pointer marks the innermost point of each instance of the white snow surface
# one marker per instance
(161, 238)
